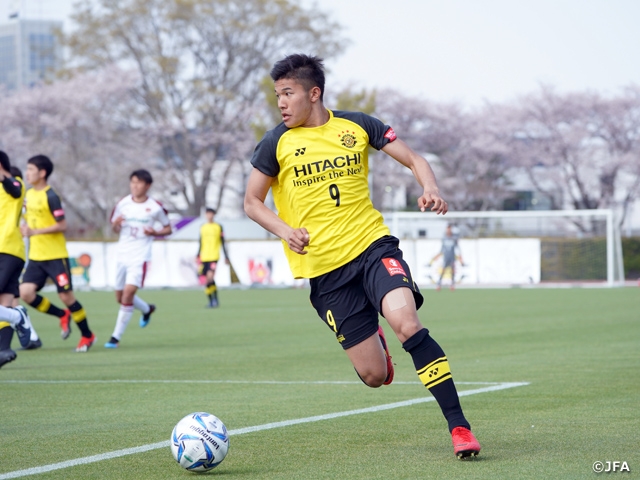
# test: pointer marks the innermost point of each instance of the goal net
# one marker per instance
(513, 247)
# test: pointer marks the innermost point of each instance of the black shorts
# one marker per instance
(208, 266)
(10, 271)
(349, 298)
(57, 270)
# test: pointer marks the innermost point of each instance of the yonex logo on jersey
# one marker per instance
(348, 139)
(393, 266)
(300, 151)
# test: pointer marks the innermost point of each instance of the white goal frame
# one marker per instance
(615, 269)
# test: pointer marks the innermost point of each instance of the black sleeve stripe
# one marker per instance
(55, 205)
(12, 186)
(264, 156)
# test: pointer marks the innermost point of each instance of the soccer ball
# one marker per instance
(199, 442)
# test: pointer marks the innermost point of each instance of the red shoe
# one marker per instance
(464, 443)
(85, 343)
(383, 340)
(65, 324)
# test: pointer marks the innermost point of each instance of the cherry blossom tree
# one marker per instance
(200, 64)
(581, 150)
(83, 125)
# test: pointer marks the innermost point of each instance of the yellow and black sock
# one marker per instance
(43, 305)
(6, 334)
(79, 316)
(434, 372)
(212, 291)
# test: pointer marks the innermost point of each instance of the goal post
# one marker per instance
(517, 247)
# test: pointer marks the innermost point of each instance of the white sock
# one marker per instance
(124, 316)
(140, 304)
(10, 315)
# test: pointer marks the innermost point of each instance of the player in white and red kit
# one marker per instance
(134, 218)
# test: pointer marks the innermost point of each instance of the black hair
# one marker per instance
(212, 210)
(15, 172)
(306, 69)
(42, 162)
(4, 161)
(143, 175)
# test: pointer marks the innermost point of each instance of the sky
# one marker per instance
(466, 51)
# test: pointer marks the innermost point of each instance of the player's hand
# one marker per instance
(227, 262)
(298, 239)
(149, 231)
(25, 230)
(118, 221)
(433, 200)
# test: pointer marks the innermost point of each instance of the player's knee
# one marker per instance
(408, 329)
(27, 294)
(373, 379)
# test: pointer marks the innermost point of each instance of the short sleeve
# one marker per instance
(55, 205)
(264, 156)
(162, 215)
(379, 133)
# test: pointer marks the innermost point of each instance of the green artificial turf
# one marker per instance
(263, 356)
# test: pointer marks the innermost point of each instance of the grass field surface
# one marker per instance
(551, 378)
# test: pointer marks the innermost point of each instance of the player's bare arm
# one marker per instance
(421, 169)
(60, 226)
(257, 189)
(116, 225)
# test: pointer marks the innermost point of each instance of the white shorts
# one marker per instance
(130, 275)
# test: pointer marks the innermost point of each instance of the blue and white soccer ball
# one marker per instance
(199, 442)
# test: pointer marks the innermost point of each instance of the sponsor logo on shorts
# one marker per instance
(62, 280)
(393, 266)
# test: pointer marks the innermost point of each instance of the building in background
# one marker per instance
(30, 52)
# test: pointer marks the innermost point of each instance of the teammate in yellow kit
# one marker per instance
(211, 239)
(316, 165)
(12, 257)
(48, 256)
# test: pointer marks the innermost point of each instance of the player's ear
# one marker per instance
(314, 94)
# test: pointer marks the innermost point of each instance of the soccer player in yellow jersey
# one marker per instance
(48, 257)
(315, 163)
(12, 257)
(211, 239)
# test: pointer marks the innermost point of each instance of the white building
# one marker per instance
(29, 52)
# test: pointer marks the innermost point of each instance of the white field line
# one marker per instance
(248, 382)
(256, 428)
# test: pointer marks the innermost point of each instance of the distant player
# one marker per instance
(35, 341)
(48, 256)
(448, 252)
(316, 165)
(134, 218)
(211, 239)
(12, 258)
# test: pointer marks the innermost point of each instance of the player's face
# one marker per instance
(209, 216)
(33, 175)
(294, 102)
(138, 187)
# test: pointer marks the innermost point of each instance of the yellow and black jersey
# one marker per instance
(211, 239)
(321, 184)
(44, 209)
(11, 199)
